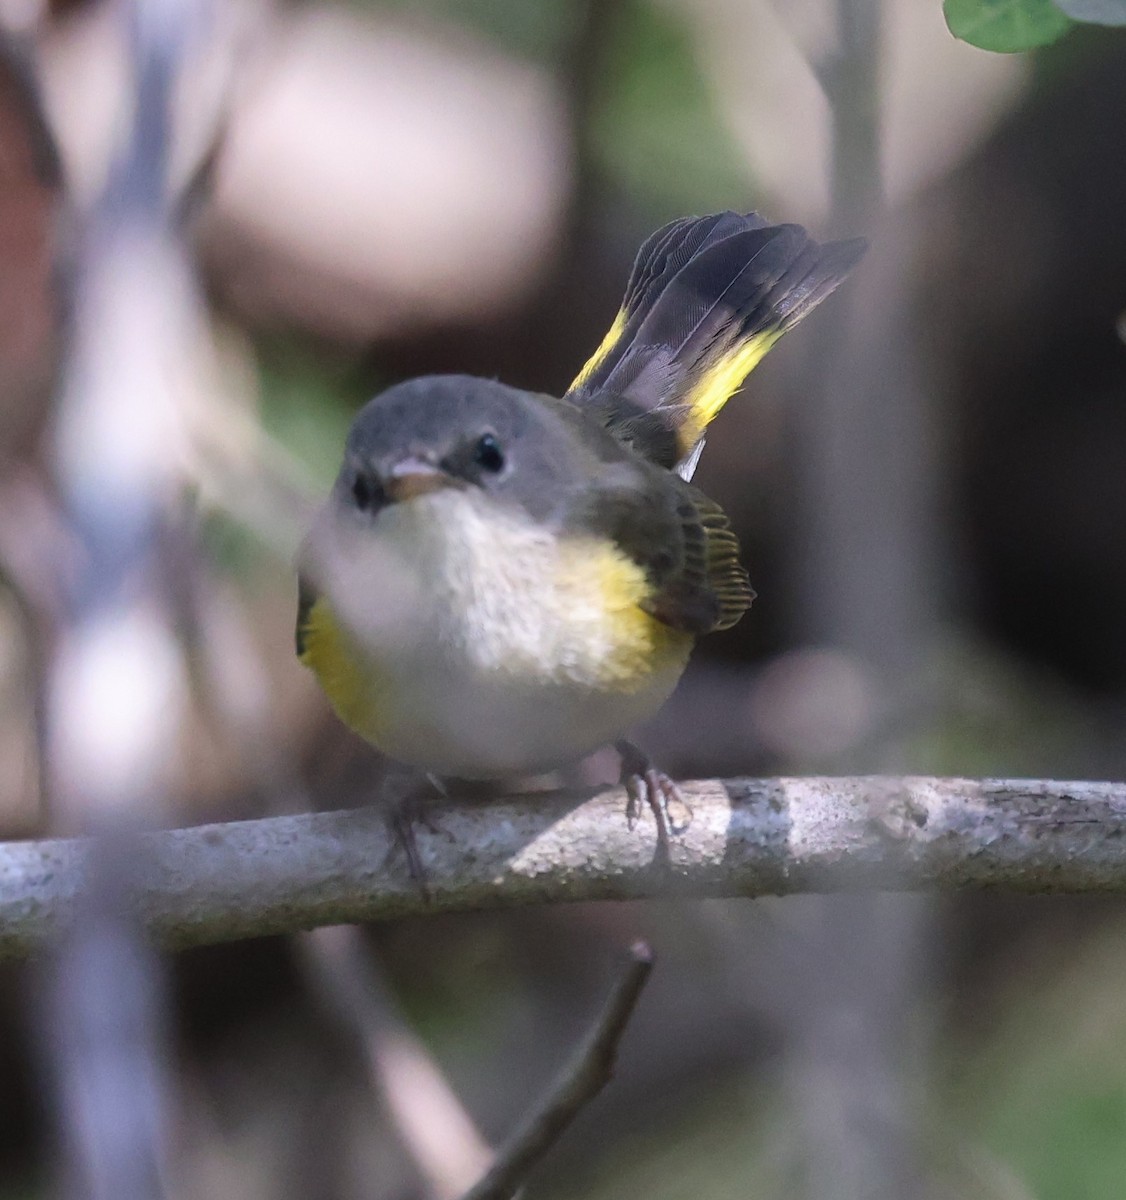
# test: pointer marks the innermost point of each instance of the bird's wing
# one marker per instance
(683, 541)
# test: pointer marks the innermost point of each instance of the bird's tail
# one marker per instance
(706, 299)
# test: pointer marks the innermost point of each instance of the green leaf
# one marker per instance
(1006, 26)
(1094, 12)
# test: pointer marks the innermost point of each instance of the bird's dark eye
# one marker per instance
(364, 492)
(488, 455)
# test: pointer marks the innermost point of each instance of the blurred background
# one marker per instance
(929, 481)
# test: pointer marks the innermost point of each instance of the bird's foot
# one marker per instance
(648, 787)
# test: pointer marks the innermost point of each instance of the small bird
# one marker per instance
(502, 581)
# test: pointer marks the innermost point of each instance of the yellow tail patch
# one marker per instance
(718, 384)
(603, 352)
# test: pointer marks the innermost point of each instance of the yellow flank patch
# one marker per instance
(349, 679)
(599, 356)
(637, 645)
(718, 384)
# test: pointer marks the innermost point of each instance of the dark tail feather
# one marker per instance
(706, 299)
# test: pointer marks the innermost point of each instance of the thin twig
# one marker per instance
(748, 837)
(433, 1127)
(581, 1080)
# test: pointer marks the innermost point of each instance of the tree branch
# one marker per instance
(431, 1125)
(748, 837)
(582, 1079)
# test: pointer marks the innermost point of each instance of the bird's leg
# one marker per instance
(404, 813)
(646, 784)
(408, 809)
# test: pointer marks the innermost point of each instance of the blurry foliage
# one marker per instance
(1068, 1133)
(457, 1003)
(308, 400)
(992, 716)
(1047, 1094)
(718, 1140)
(307, 397)
(19, 1192)
(534, 31)
(231, 547)
(656, 135)
(1009, 26)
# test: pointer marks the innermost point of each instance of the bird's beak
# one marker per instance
(412, 477)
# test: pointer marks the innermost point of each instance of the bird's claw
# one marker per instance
(647, 786)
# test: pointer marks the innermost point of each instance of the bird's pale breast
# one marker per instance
(465, 639)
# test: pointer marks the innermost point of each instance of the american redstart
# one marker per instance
(504, 581)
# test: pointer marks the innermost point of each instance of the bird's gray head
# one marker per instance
(456, 431)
